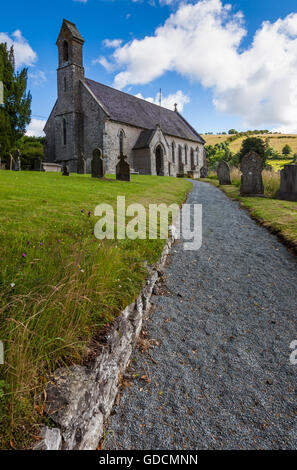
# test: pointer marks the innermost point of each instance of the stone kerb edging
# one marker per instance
(80, 398)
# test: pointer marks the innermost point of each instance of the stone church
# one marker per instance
(89, 115)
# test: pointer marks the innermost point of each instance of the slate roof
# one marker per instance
(129, 109)
(73, 30)
(144, 139)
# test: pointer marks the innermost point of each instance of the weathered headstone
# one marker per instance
(65, 170)
(203, 172)
(17, 161)
(288, 183)
(251, 167)
(82, 164)
(223, 173)
(123, 169)
(97, 164)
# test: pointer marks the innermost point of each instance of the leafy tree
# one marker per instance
(15, 114)
(232, 131)
(252, 144)
(286, 150)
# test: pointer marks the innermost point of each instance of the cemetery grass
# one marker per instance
(279, 216)
(59, 284)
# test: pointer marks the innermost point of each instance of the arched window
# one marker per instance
(65, 84)
(65, 51)
(192, 159)
(173, 152)
(186, 154)
(121, 141)
(64, 132)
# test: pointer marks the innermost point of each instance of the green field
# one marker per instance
(277, 141)
(59, 284)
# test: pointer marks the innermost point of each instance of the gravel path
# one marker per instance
(220, 376)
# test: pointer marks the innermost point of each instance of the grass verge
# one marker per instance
(59, 284)
(280, 217)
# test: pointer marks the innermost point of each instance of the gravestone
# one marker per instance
(288, 183)
(203, 172)
(123, 169)
(97, 164)
(82, 164)
(17, 161)
(65, 170)
(251, 167)
(223, 173)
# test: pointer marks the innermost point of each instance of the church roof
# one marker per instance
(73, 30)
(144, 139)
(129, 109)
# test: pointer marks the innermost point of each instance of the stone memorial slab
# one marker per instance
(97, 164)
(288, 183)
(203, 172)
(82, 164)
(223, 173)
(65, 170)
(123, 169)
(251, 167)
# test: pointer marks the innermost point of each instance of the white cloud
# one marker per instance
(113, 43)
(202, 42)
(81, 1)
(23, 53)
(35, 128)
(38, 77)
(169, 101)
(109, 67)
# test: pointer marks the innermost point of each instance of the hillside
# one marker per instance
(277, 141)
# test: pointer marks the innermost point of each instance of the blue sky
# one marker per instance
(204, 57)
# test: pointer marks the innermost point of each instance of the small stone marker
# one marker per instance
(82, 164)
(123, 169)
(17, 161)
(65, 170)
(97, 164)
(288, 183)
(203, 172)
(251, 167)
(223, 173)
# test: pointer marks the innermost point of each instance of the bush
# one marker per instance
(254, 144)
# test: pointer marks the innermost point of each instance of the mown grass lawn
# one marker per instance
(278, 215)
(59, 284)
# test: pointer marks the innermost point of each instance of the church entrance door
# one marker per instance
(159, 161)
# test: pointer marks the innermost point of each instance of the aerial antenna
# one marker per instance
(160, 103)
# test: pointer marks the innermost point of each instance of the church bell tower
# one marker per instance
(68, 117)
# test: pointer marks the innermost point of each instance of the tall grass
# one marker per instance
(59, 284)
(271, 181)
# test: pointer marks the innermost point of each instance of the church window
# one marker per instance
(64, 132)
(186, 154)
(173, 152)
(65, 84)
(121, 142)
(65, 51)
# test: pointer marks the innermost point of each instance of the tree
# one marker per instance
(15, 114)
(232, 131)
(252, 144)
(286, 150)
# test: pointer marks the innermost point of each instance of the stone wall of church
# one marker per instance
(111, 149)
(93, 125)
